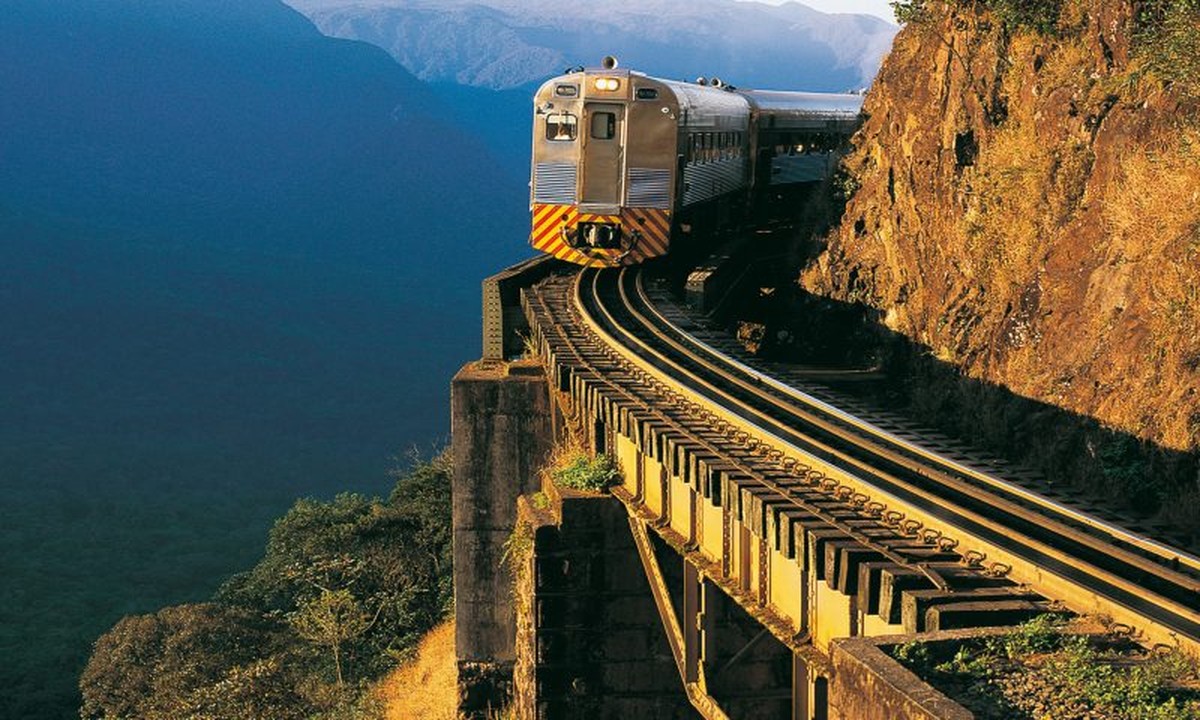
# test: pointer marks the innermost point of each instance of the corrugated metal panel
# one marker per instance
(704, 181)
(649, 188)
(554, 183)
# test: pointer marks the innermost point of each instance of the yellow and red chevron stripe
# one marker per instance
(553, 223)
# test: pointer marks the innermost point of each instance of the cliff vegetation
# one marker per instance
(343, 593)
(1026, 215)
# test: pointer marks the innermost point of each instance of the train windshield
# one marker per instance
(561, 127)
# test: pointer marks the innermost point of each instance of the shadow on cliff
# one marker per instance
(1071, 452)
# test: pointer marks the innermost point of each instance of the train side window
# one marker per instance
(604, 125)
(561, 127)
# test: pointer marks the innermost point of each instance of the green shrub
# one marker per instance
(1042, 634)
(1037, 15)
(1168, 41)
(914, 654)
(1041, 669)
(909, 11)
(590, 474)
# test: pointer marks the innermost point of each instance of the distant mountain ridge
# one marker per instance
(223, 118)
(502, 44)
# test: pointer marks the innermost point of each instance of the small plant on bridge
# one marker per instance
(592, 474)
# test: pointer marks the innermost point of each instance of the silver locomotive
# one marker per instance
(624, 163)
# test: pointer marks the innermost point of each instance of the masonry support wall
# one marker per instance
(502, 430)
(589, 642)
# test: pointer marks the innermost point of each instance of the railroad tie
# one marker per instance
(800, 522)
(842, 559)
(707, 466)
(895, 580)
(817, 539)
(917, 603)
(869, 583)
(754, 503)
(866, 568)
(984, 613)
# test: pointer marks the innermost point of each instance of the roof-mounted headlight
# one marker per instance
(606, 84)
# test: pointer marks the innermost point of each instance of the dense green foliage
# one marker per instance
(1038, 15)
(592, 474)
(150, 666)
(1040, 665)
(343, 592)
(1168, 41)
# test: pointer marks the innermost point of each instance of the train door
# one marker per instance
(603, 153)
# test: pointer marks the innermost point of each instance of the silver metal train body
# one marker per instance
(623, 162)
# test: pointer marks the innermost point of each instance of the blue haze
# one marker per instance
(240, 265)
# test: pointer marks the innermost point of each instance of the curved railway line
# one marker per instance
(906, 504)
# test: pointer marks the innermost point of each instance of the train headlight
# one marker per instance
(607, 84)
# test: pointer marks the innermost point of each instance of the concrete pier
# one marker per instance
(502, 430)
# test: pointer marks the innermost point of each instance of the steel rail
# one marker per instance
(661, 326)
(1168, 553)
(1180, 617)
(785, 494)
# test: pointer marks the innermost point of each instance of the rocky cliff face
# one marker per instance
(1028, 210)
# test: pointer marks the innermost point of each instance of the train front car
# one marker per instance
(604, 156)
(624, 164)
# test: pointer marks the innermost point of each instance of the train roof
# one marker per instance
(833, 106)
(702, 101)
(716, 105)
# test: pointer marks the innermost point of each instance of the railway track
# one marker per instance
(952, 526)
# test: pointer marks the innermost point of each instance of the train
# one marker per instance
(624, 165)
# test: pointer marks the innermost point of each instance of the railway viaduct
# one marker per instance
(731, 573)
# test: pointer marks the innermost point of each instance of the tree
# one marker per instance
(357, 578)
(147, 666)
(395, 555)
(262, 689)
(331, 619)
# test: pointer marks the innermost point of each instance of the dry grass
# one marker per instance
(569, 447)
(425, 688)
(1157, 200)
(1024, 190)
(1153, 214)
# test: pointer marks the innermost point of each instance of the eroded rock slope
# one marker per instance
(1028, 209)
